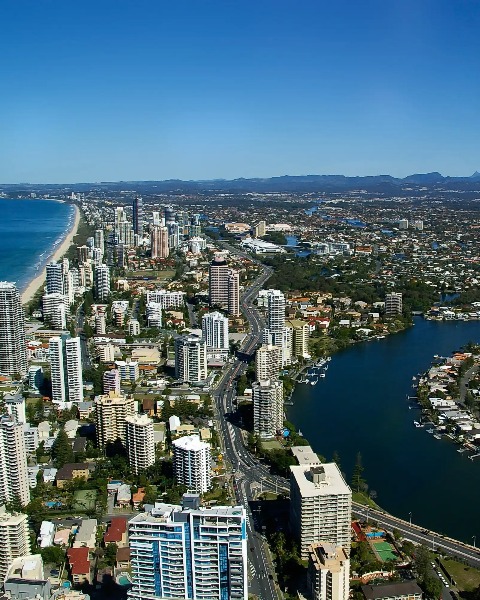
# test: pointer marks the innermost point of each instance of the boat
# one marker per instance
(430, 430)
(418, 424)
(322, 375)
(314, 382)
(437, 436)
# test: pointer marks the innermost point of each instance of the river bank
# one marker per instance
(37, 282)
(360, 406)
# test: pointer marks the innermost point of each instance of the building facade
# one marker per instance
(140, 442)
(183, 552)
(13, 350)
(14, 540)
(328, 575)
(320, 506)
(215, 334)
(13, 462)
(190, 359)
(191, 463)
(111, 411)
(267, 407)
(159, 242)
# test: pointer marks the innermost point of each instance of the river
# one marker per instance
(361, 406)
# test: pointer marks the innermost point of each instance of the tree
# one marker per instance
(432, 587)
(357, 481)
(111, 554)
(62, 452)
(53, 555)
(336, 459)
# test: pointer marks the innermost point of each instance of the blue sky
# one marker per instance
(132, 89)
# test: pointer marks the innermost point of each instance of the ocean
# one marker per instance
(30, 232)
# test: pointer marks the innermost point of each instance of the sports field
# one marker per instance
(384, 551)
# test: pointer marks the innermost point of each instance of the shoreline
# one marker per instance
(37, 282)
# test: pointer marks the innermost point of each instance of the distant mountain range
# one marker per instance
(284, 183)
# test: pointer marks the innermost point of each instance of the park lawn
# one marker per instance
(467, 578)
(160, 274)
(362, 498)
(272, 445)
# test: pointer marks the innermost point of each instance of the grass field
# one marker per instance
(166, 274)
(362, 498)
(466, 578)
(84, 500)
(384, 550)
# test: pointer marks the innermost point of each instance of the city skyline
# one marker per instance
(145, 91)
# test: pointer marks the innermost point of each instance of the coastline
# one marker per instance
(36, 283)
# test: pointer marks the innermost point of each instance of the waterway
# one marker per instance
(361, 406)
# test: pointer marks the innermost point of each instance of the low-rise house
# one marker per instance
(72, 471)
(117, 532)
(46, 534)
(138, 497)
(86, 535)
(123, 558)
(79, 565)
(408, 590)
(62, 537)
(124, 496)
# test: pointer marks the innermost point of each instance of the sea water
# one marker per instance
(30, 232)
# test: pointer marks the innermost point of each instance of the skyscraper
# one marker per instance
(54, 310)
(159, 242)
(138, 216)
(189, 552)
(111, 411)
(276, 333)
(268, 361)
(320, 506)
(224, 286)
(267, 407)
(13, 462)
(66, 370)
(102, 282)
(215, 334)
(191, 463)
(328, 575)
(54, 278)
(14, 539)
(140, 442)
(13, 351)
(190, 358)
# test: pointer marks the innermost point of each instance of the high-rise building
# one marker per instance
(111, 382)
(100, 240)
(154, 314)
(111, 411)
(128, 369)
(54, 310)
(14, 539)
(66, 370)
(140, 442)
(191, 463)
(320, 506)
(54, 278)
(268, 361)
(215, 334)
(166, 298)
(15, 405)
(138, 216)
(190, 358)
(100, 324)
(218, 281)
(276, 333)
(73, 361)
(267, 407)
(233, 300)
(260, 229)
(13, 350)
(300, 337)
(13, 462)
(403, 224)
(102, 282)
(173, 235)
(159, 242)
(393, 304)
(328, 576)
(189, 552)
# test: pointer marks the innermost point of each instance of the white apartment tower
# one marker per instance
(159, 242)
(328, 575)
(140, 442)
(102, 282)
(13, 351)
(190, 358)
(276, 333)
(189, 552)
(191, 463)
(14, 540)
(111, 411)
(267, 407)
(215, 334)
(73, 359)
(13, 462)
(66, 370)
(393, 304)
(320, 506)
(268, 361)
(54, 310)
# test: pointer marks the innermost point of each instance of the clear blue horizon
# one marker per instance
(147, 90)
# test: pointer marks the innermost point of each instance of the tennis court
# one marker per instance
(384, 551)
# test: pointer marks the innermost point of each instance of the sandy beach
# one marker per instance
(39, 281)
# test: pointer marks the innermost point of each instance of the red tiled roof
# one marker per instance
(115, 531)
(78, 560)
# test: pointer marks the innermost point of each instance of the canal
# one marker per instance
(361, 406)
